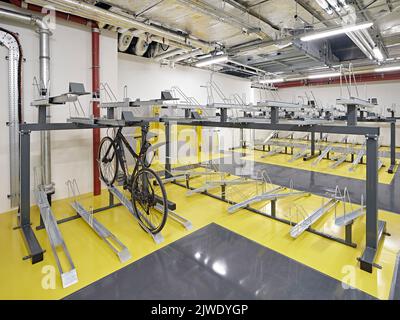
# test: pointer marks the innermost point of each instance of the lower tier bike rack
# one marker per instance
(112, 241)
(56, 239)
(158, 238)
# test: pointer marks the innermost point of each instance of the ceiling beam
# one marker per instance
(236, 4)
(311, 10)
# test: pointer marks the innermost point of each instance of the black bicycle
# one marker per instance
(149, 197)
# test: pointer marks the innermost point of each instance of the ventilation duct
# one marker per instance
(10, 41)
(44, 64)
(94, 13)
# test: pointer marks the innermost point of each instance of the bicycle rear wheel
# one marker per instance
(149, 200)
(107, 160)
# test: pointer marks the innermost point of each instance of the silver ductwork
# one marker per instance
(92, 12)
(169, 54)
(44, 63)
(14, 59)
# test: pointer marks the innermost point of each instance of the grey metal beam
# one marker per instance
(356, 130)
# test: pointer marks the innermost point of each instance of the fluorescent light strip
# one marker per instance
(378, 54)
(387, 69)
(323, 75)
(263, 81)
(334, 32)
(213, 60)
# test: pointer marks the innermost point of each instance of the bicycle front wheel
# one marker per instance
(149, 200)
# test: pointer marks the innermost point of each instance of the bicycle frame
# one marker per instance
(120, 141)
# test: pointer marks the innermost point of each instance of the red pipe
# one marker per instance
(367, 77)
(96, 109)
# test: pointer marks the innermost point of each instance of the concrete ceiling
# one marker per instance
(261, 37)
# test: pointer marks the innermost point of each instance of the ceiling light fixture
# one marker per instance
(323, 75)
(387, 69)
(337, 31)
(324, 5)
(212, 60)
(378, 54)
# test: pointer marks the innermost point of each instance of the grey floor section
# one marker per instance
(215, 263)
(314, 182)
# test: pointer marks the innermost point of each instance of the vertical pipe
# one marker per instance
(96, 109)
(45, 136)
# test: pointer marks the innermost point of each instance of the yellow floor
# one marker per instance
(322, 167)
(93, 259)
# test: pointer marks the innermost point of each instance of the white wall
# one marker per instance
(70, 62)
(146, 79)
(387, 93)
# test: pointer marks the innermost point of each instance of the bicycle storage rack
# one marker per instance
(56, 239)
(158, 238)
(112, 241)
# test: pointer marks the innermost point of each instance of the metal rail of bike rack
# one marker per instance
(271, 194)
(339, 159)
(325, 152)
(176, 217)
(158, 238)
(303, 225)
(358, 158)
(112, 241)
(70, 277)
(300, 154)
(349, 217)
(273, 152)
(209, 185)
(268, 138)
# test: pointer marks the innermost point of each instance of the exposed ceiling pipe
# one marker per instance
(186, 55)
(169, 54)
(95, 105)
(44, 63)
(94, 13)
(257, 70)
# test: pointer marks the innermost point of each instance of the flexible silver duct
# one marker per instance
(44, 62)
(14, 55)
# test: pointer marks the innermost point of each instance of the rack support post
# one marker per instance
(392, 146)
(351, 115)
(371, 243)
(35, 252)
(274, 115)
